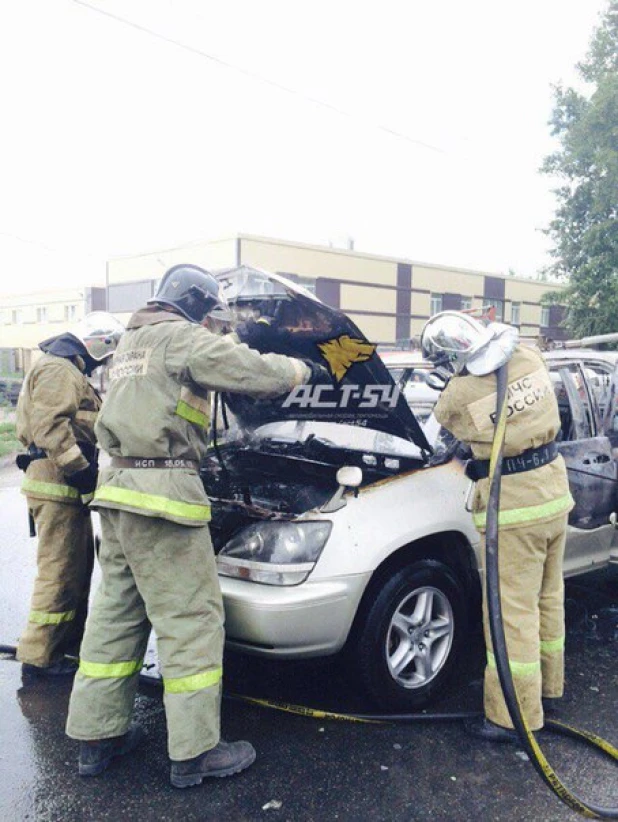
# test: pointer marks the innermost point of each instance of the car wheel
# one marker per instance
(411, 635)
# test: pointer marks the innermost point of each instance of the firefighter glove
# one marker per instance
(319, 374)
(254, 332)
(85, 480)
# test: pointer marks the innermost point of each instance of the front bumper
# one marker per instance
(311, 619)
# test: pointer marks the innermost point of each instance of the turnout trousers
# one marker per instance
(161, 574)
(65, 557)
(532, 596)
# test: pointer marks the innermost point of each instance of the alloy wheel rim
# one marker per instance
(420, 637)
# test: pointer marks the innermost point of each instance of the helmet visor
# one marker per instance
(221, 311)
(99, 332)
(451, 337)
(451, 333)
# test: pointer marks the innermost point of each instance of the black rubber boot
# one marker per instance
(64, 667)
(95, 756)
(552, 705)
(225, 759)
(484, 728)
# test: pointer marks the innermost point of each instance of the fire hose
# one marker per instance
(496, 625)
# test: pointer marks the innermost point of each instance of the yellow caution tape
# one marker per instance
(302, 710)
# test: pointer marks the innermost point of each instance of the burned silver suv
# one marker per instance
(338, 525)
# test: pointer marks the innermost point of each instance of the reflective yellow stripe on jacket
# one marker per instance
(191, 414)
(530, 513)
(49, 489)
(44, 618)
(195, 682)
(193, 408)
(152, 502)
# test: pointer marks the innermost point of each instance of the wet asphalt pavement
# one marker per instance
(307, 769)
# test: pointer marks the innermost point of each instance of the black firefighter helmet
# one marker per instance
(189, 289)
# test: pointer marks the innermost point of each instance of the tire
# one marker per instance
(411, 635)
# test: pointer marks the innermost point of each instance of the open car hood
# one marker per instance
(363, 392)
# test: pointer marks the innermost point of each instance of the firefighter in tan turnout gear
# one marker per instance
(56, 412)
(156, 555)
(534, 504)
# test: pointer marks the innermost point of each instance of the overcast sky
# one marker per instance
(416, 128)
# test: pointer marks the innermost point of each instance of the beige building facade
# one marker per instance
(389, 298)
(27, 319)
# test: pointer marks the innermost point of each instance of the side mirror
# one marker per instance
(436, 381)
(348, 476)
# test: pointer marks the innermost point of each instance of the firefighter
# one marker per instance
(56, 412)
(534, 505)
(156, 554)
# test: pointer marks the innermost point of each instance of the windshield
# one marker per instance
(421, 397)
(412, 380)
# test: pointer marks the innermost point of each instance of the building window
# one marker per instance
(70, 313)
(127, 297)
(544, 316)
(41, 314)
(499, 306)
(466, 303)
(515, 313)
(308, 283)
(435, 305)
(17, 316)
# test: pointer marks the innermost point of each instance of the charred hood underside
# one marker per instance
(253, 477)
(362, 391)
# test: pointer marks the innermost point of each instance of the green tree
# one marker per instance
(585, 227)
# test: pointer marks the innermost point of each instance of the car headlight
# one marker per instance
(274, 553)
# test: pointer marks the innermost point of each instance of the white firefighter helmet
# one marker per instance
(452, 338)
(99, 333)
(455, 340)
(499, 350)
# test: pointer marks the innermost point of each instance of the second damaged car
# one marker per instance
(335, 525)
